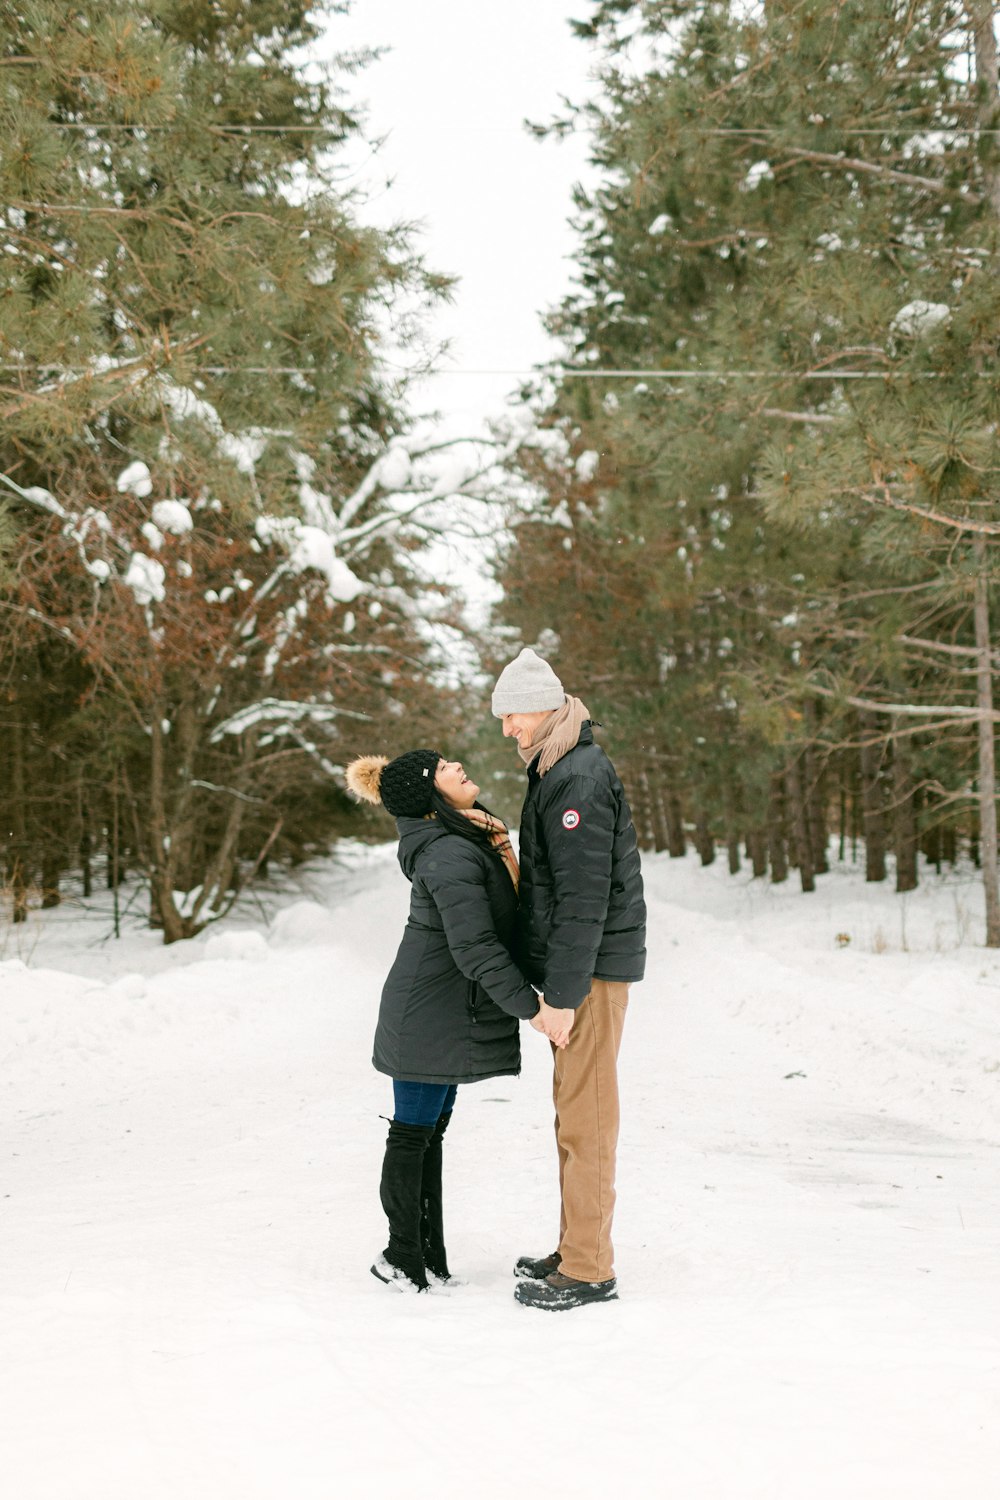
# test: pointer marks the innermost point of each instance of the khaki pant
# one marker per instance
(585, 1094)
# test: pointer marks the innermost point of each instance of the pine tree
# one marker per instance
(799, 189)
(203, 464)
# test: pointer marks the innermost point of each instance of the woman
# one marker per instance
(450, 1006)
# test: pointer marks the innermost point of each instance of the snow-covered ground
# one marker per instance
(808, 1232)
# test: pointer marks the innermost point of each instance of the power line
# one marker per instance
(549, 372)
(690, 128)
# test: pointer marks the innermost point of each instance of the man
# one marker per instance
(581, 940)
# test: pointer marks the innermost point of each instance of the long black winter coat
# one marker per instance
(450, 1004)
(582, 914)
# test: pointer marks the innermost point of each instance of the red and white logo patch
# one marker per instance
(571, 818)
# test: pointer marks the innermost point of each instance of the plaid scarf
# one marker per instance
(499, 838)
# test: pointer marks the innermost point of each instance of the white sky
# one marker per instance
(492, 202)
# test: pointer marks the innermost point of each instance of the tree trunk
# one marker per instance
(814, 772)
(86, 841)
(18, 856)
(643, 812)
(856, 801)
(904, 817)
(776, 845)
(987, 750)
(657, 813)
(949, 844)
(981, 14)
(703, 840)
(800, 826)
(670, 811)
(162, 905)
(872, 800)
(757, 850)
(733, 827)
(52, 867)
(114, 867)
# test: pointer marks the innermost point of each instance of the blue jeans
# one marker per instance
(422, 1103)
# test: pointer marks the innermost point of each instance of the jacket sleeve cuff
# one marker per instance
(567, 993)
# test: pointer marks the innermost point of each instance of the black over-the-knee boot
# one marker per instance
(400, 1192)
(431, 1209)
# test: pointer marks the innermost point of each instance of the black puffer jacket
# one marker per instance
(582, 914)
(450, 1004)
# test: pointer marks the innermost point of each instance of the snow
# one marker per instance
(761, 171)
(273, 711)
(314, 549)
(918, 318)
(244, 448)
(395, 468)
(136, 480)
(43, 498)
(807, 1231)
(586, 465)
(173, 516)
(145, 577)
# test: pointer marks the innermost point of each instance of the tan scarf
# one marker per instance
(499, 838)
(556, 736)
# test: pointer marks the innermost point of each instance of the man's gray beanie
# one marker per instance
(527, 685)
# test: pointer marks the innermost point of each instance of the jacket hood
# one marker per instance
(414, 836)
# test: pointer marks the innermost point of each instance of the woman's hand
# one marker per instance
(554, 1023)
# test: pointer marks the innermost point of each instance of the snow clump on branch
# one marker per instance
(917, 318)
(145, 577)
(173, 516)
(136, 480)
(760, 172)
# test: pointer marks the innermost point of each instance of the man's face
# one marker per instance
(521, 727)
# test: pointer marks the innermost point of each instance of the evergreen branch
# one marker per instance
(67, 635)
(890, 174)
(103, 210)
(952, 713)
(810, 417)
(919, 642)
(143, 215)
(882, 497)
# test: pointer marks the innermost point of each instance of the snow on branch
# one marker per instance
(279, 711)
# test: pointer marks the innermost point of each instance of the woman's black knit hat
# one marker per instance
(403, 786)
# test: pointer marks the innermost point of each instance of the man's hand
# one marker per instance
(555, 1023)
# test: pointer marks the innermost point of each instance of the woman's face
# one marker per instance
(453, 784)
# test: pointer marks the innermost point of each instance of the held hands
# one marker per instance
(554, 1023)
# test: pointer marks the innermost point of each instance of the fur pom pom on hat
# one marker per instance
(402, 786)
(527, 685)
